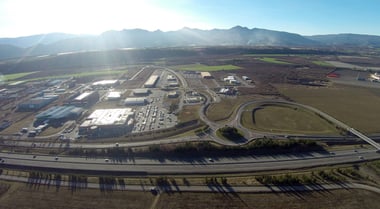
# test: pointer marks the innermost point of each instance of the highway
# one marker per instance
(163, 166)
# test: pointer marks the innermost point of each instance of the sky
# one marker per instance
(305, 17)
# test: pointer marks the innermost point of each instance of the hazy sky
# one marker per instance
(306, 17)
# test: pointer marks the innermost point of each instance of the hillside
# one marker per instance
(51, 44)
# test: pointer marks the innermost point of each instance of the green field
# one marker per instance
(273, 61)
(322, 63)
(279, 118)
(15, 76)
(82, 74)
(357, 107)
(201, 67)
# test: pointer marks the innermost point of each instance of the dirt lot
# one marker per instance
(338, 199)
(23, 196)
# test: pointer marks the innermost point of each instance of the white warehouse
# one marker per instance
(134, 101)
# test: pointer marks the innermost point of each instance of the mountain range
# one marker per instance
(54, 43)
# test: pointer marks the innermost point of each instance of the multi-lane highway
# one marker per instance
(186, 165)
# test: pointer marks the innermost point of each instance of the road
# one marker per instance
(322, 114)
(163, 166)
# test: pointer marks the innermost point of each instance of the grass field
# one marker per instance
(273, 61)
(189, 112)
(357, 107)
(200, 67)
(285, 119)
(226, 107)
(82, 74)
(15, 76)
(322, 63)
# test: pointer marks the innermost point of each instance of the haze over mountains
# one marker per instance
(137, 38)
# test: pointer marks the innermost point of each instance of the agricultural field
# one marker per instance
(322, 63)
(355, 106)
(82, 74)
(201, 67)
(273, 61)
(280, 118)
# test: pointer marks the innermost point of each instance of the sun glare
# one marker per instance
(94, 17)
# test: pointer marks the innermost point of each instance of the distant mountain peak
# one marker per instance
(238, 27)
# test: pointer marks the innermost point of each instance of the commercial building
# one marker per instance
(108, 123)
(58, 114)
(36, 103)
(135, 101)
(151, 82)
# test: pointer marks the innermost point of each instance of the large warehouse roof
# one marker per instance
(58, 112)
(105, 82)
(103, 117)
(141, 91)
(83, 95)
(135, 101)
(113, 95)
(151, 82)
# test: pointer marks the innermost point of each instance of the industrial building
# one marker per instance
(151, 82)
(231, 79)
(171, 78)
(5, 124)
(134, 101)
(105, 83)
(173, 94)
(36, 103)
(58, 114)
(193, 99)
(141, 92)
(173, 84)
(113, 96)
(86, 99)
(206, 75)
(227, 91)
(245, 78)
(108, 123)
